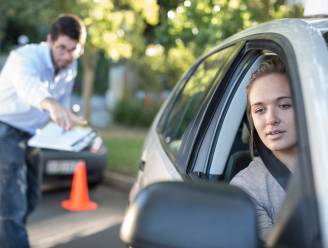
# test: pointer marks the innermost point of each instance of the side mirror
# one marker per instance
(180, 214)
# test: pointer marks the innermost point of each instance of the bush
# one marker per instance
(136, 113)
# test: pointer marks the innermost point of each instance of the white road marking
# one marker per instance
(62, 229)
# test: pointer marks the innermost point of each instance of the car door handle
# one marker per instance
(142, 165)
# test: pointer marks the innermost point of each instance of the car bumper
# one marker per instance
(61, 164)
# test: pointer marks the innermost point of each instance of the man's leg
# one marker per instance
(34, 178)
(13, 202)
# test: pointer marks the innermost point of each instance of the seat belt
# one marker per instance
(278, 170)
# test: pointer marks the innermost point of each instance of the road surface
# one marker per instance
(52, 226)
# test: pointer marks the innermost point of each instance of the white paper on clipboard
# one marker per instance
(53, 137)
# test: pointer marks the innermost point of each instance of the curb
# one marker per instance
(118, 180)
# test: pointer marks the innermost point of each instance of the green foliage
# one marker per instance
(13, 30)
(188, 28)
(202, 24)
(101, 78)
(119, 145)
(117, 27)
(156, 71)
(113, 26)
(127, 29)
(191, 29)
(134, 112)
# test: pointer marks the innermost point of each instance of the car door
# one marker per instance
(299, 224)
(303, 217)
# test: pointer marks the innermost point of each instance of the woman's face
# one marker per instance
(272, 112)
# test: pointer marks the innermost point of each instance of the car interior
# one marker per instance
(232, 151)
(239, 156)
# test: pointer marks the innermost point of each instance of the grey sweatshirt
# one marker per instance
(265, 191)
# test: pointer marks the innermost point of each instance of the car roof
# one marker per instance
(292, 28)
(318, 23)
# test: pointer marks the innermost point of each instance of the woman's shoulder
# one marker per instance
(252, 176)
(255, 168)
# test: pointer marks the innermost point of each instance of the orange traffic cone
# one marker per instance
(79, 198)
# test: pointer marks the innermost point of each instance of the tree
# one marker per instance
(202, 24)
(187, 28)
(115, 26)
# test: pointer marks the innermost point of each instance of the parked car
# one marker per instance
(199, 135)
(58, 166)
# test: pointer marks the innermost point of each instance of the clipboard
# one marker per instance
(52, 136)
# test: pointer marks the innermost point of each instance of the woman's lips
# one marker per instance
(275, 134)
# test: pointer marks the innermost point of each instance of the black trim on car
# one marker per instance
(217, 111)
(249, 59)
(197, 127)
(180, 162)
(185, 78)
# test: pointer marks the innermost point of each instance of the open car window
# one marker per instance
(189, 101)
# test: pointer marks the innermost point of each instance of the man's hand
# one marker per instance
(60, 115)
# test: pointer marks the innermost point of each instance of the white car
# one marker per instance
(201, 131)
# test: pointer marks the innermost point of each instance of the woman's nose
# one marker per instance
(272, 117)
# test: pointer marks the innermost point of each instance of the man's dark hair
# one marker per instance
(69, 25)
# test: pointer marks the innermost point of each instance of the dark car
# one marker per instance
(58, 166)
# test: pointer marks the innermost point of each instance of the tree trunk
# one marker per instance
(89, 62)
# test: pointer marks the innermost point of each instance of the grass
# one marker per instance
(124, 149)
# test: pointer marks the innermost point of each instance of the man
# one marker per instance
(35, 86)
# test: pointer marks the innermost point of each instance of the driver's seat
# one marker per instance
(237, 162)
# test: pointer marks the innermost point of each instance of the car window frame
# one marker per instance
(180, 162)
(309, 214)
(235, 81)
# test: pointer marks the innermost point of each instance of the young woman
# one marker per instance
(273, 137)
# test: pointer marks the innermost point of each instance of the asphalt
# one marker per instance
(51, 226)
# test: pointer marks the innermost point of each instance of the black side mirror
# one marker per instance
(180, 214)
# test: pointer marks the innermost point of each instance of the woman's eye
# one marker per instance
(285, 106)
(258, 110)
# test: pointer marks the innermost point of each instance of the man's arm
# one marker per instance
(23, 73)
(33, 91)
(60, 115)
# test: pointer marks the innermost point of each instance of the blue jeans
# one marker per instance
(20, 181)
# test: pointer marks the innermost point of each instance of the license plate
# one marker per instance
(61, 167)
